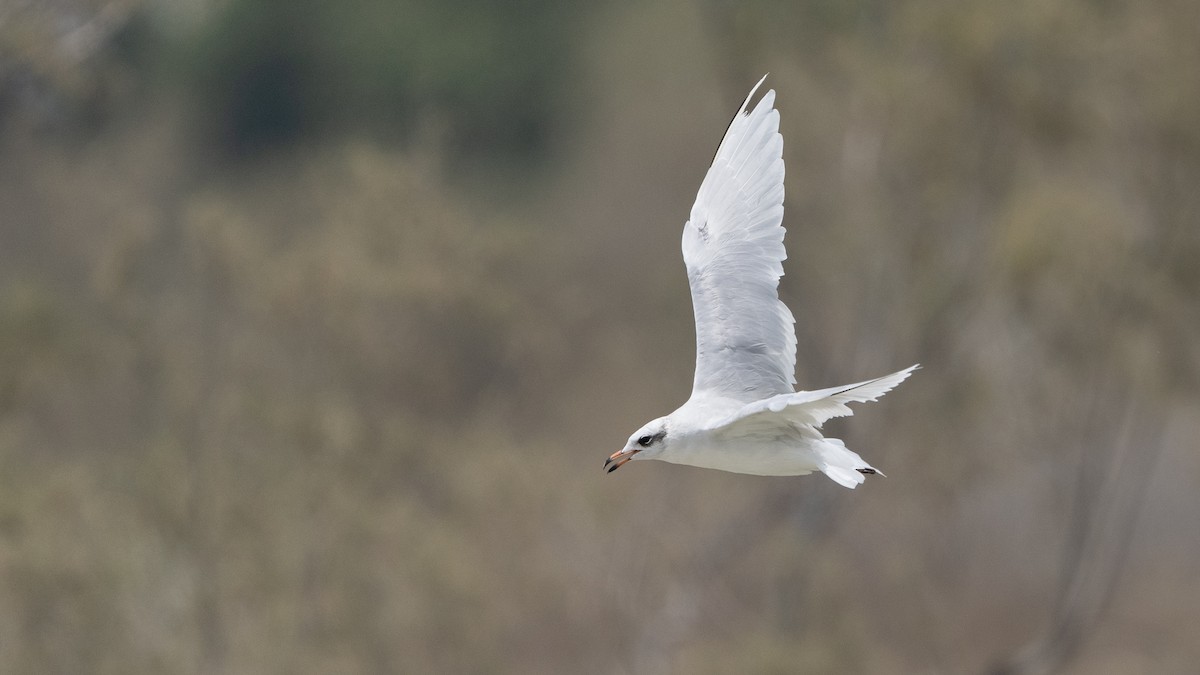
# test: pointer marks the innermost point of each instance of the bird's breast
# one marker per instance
(785, 456)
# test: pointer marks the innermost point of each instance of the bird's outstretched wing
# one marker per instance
(810, 408)
(733, 249)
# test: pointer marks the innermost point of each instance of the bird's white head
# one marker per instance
(645, 443)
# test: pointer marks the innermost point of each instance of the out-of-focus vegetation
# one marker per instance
(280, 391)
(487, 76)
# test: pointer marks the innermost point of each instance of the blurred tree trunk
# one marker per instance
(1114, 471)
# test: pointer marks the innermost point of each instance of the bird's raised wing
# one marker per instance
(733, 249)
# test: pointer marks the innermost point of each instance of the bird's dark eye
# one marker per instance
(645, 441)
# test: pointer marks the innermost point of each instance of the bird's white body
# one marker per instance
(745, 415)
(777, 436)
(788, 452)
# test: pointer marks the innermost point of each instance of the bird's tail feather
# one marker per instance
(842, 464)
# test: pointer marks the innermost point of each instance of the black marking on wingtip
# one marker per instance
(744, 111)
(868, 471)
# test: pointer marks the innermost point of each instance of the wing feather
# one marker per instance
(811, 408)
(733, 249)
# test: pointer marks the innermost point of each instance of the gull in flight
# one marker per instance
(744, 414)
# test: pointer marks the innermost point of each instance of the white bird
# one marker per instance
(744, 414)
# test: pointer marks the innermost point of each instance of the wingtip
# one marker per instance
(901, 375)
(746, 103)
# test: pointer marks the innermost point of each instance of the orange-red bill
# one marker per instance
(618, 459)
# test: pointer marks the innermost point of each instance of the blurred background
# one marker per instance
(318, 319)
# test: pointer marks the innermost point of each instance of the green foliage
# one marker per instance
(486, 77)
